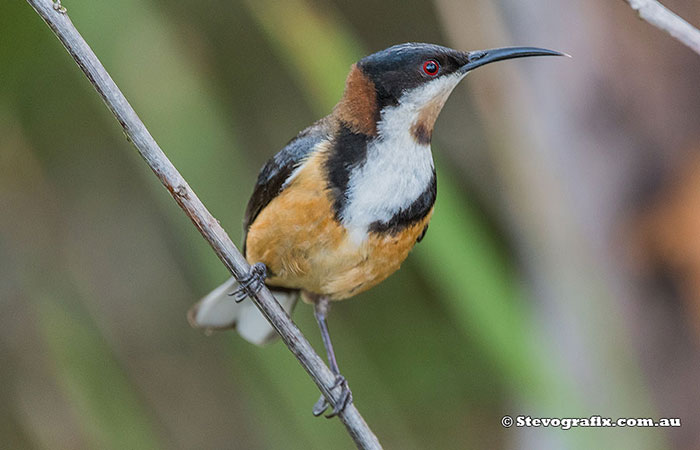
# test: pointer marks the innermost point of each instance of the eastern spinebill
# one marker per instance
(338, 209)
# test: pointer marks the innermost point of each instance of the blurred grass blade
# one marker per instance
(111, 414)
(317, 48)
(472, 276)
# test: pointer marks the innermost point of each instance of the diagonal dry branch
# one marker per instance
(663, 18)
(56, 18)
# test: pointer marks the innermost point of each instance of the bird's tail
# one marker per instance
(219, 311)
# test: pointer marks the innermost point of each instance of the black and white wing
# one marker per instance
(278, 169)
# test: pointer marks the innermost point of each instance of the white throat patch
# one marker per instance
(397, 169)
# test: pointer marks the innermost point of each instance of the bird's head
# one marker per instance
(412, 81)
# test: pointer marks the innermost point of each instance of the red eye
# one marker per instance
(431, 67)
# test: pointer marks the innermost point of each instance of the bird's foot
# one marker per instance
(344, 399)
(252, 283)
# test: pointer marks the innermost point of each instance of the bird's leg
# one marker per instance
(321, 309)
(252, 283)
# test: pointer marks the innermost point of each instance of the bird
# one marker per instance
(339, 208)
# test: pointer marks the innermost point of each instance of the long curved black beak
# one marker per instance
(482, 57)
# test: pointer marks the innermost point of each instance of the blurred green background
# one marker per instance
(560, 276)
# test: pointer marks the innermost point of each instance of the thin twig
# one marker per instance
(57, 19)
(661, 17)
